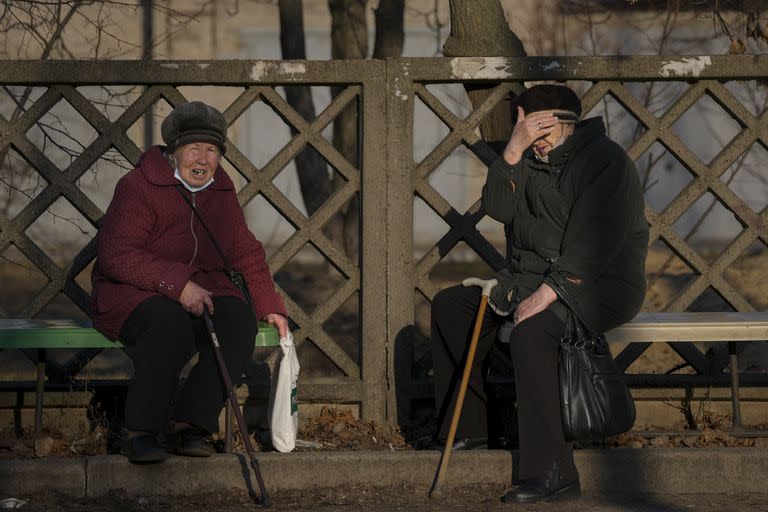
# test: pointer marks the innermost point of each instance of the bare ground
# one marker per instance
(405, 498)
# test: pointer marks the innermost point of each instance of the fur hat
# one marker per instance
(561, 99)
(194, 122)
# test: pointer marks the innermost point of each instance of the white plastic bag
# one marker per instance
(284, 418)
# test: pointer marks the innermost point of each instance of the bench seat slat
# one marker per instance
(704, 327)
(44, 334)
(72, 337)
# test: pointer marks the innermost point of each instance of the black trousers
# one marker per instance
(534, 352)
(160, 338)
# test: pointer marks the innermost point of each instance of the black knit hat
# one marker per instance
(561, 99)
(194, 122)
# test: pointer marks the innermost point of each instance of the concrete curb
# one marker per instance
(622, 471)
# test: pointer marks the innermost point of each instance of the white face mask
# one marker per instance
(177, 175)
(187, 185)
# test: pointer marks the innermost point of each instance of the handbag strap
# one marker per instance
(227, 266)
(566, 299)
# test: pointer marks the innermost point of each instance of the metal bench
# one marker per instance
(730, 327)
(41, 335)
(673, 328)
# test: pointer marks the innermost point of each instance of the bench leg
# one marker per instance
(227, 428)
(39, 391)
(735, 401)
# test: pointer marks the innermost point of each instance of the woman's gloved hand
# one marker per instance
(503, 297)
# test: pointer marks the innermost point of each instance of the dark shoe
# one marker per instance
(189, 442)
(502, 443)
(144, 449)
(549, 488)
(470, 443)
(538, 489)
(464, 443)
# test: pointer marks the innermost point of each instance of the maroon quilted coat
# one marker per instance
(151, 244)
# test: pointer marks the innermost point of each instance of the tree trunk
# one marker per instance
(311, 168)
(389, 29)
(479, 29)
(349, 40)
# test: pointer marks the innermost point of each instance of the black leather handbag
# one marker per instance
(595, 400)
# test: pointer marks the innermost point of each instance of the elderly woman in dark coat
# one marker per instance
(572, 206)
(157, 268)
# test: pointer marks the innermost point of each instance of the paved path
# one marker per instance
(401, 503)
(706, 479)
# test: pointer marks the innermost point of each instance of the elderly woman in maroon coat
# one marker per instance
(157, 268)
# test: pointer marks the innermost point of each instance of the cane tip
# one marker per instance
(436, 494)
(265, 502)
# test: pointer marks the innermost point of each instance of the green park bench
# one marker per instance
(42, 335)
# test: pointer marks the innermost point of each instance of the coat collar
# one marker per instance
(587, 131)
(156, 169)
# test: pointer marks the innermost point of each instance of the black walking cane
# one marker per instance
(265, 501)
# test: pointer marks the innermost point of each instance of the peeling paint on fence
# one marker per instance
(291, 69)
(480, 68)
(259, 70)
(398, 93)
(685, 66)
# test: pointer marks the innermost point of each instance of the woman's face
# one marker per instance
(197, 162)
(544, 145)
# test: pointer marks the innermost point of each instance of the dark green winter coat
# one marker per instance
(579, 216)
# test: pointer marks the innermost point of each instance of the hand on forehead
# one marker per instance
(540, 115)
(537, 121)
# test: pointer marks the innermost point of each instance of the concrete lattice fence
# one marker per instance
(393, 272)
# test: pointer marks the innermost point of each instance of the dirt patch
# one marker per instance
(52, 444)
(340, 498)
(707, 438)
(404, 498)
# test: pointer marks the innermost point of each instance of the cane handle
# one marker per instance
(486, 284)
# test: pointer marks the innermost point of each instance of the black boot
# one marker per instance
(549, 488)
(190, 442)
(143, 449)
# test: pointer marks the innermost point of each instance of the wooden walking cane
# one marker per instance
(265, 501)
(486, 285)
